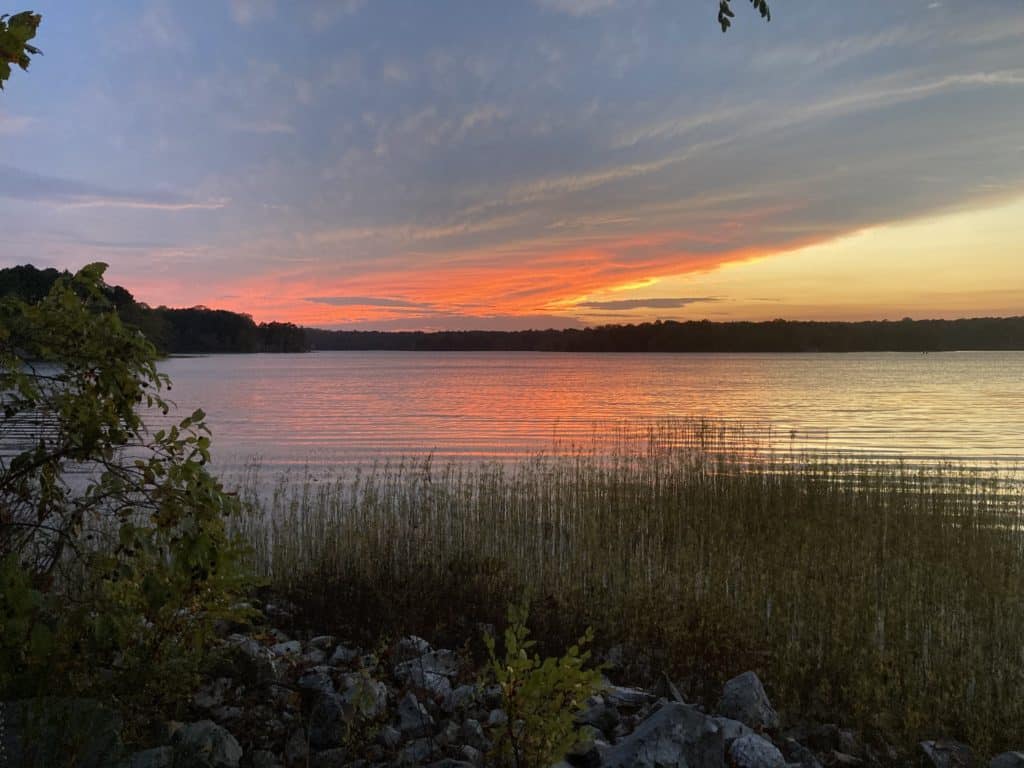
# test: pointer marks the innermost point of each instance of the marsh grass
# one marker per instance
(875, 593)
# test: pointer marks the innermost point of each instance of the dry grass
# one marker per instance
(873, 593)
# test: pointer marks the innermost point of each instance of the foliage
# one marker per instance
(539, 697)
(726, 14)
(15, 33)
(195, 330)
(114, 558)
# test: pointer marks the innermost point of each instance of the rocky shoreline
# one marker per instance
(280, 701)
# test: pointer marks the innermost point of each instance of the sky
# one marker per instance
(507, 164)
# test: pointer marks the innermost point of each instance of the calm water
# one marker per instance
(337, 408)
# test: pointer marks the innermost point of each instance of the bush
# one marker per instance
(539, 697)
(114, 558)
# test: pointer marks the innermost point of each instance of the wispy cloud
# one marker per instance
(248, 11)
(578, 7)
(368, 301)
(17, 184)
(646, 303)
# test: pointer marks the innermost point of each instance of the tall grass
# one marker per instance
(874, 593)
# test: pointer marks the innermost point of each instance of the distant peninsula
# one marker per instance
(200, 330)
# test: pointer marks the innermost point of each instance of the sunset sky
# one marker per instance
(435, 164)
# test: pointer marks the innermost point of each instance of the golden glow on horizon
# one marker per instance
(965, 263)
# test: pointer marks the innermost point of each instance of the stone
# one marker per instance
(599, 714)
(330, 758)
(323, 642)
(1008, 760)
(263, 758)
(461, 698)
(472, 755)
(430, 672)
(208, 745)
(744, 699)
(410, 647)
(628, 698)
(413, 719)
(448, 762)
(666, 689)
(212, 694)
(797, 754)
(343, 655)
(314, 656)
(388, 737)
(415, 752)
(363, 696)
(753, 751)
(326, 727)
(296, 749)
(316, 681)
(158, 757)
(946, 753)
(286, 648)
(731, 729)
(672, 735)
(473, 735)
(497, 717)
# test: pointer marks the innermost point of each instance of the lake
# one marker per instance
(334, 409)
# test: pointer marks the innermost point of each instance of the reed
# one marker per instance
(872, 593)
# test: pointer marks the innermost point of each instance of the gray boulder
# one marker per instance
(430, 672)
(628, 698)
(326, 726)
(413, 719)
(207, 745)
(1008, 760)
(744, 699)
(947, 753)
(753, 751)
(673, 736)
(731, 729)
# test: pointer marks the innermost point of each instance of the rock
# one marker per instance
(330, 758)
(410, 647)
(628, 698)
(447, 762)
(753, 751)
(389, 737)
(497, 717)
(158, 757)
(472, 755)
(600, 715)
(413, 719)
(415, 752)
(946, 753)
(208, 745)
(744, 699)
(797, 754)
(314, 656)
(316, 681)
(429, 672)
(296, 749)
(673, 735)
(326, 726)
(666, 689)
(212, 694)
(461, 698)
(731, 729)
(52, 731)
(343, 655)
(1008, 760)
(286, 648)
(363, 696)
(842, 759)
(226, 714)
(473, 735)
(263, 758)
(323, 642)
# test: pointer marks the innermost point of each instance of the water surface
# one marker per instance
(338, 408)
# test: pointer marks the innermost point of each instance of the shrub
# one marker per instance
(540, 698)
(114, 559)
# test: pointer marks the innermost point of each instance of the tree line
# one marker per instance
(200, 330)
(195, 330)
